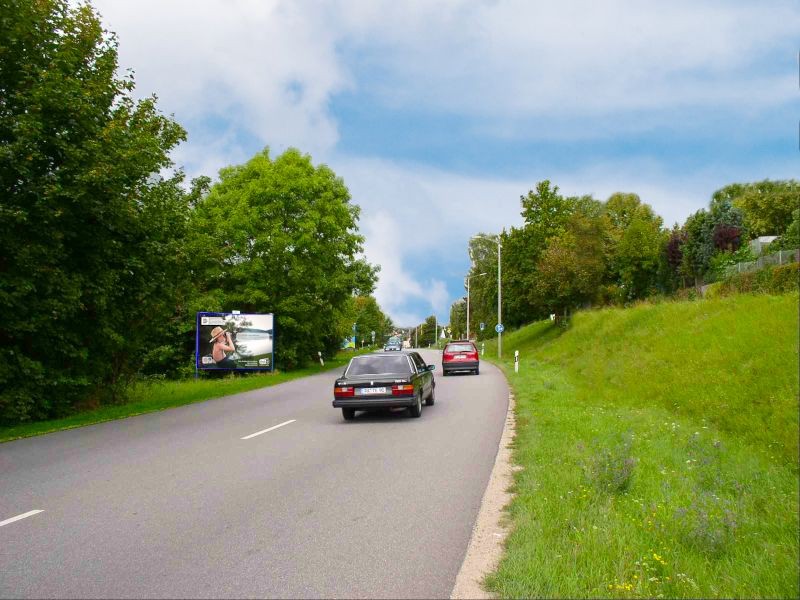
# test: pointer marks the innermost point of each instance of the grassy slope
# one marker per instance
(659, 447)
(153, 396)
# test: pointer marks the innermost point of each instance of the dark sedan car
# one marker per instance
(385, 380)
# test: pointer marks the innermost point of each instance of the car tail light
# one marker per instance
(448, 356)
(402, 390)
(344, 391)
(473, 355)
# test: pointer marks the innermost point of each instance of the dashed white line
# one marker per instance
(20, 517)
(252, 435)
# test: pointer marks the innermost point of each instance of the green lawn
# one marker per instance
(151, 396)
(659, 447)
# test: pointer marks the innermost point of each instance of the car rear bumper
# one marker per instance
(367, 403)
(460, 365)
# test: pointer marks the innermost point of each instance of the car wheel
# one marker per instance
(432, 397)
(444, 373)
(349, 414)
(416, 410)
(478, 371)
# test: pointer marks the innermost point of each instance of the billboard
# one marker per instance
(234, 341)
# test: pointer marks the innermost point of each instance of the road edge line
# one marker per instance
(486, 545)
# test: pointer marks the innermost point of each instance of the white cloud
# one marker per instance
(580, 57)
(241, 74)
(267, 68)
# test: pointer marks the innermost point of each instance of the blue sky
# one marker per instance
(440, 115)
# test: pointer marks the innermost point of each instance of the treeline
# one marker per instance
(575, 251)
(106, 253)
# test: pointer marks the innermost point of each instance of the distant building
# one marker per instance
(757, 245)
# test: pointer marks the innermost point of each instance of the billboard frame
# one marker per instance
(198, 367)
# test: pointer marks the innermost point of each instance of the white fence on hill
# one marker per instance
(779, 258)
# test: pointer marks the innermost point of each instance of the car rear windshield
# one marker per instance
(460, 348)
(378, 365)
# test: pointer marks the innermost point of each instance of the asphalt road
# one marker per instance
(177, 504)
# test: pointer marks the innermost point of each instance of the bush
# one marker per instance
(770, 280)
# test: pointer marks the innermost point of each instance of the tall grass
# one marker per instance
(659, 447)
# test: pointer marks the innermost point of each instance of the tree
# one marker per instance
(767, 205)
(427, 332)
(458, 317)
(698, 248)
(571, 269)
(281, 236)
(636, 245)
(367, 315)
(91, 235)
(791, 239)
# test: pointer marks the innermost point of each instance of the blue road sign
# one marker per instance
(483, 326)
(499, 328)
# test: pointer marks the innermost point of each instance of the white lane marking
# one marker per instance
(20, 517)
(252, 435)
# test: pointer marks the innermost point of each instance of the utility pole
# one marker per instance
(499, 300)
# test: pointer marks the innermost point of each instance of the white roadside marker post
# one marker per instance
(321, 362)
(483, 347)
(516, 361)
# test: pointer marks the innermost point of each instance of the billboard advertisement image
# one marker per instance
(234, 341)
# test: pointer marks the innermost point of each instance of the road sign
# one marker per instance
(483, 326)
(499, 328)
(373, 337)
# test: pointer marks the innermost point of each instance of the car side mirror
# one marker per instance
(431, 367)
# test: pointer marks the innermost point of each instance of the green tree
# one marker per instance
(365, 312)
(427, 332)
(791, 239)
(698, 247)
(281, 236)
(458, 317)
(92, 251)
(636, 245)
(767, 205)
(571, 269)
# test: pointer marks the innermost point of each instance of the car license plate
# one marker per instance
(372, 390)
(459, 357)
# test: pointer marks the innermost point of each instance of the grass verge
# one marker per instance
(155, 395)
(659, 453)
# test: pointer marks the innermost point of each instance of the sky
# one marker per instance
(440, 114)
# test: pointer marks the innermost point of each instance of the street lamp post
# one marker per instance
(468, 278)
(499, 292)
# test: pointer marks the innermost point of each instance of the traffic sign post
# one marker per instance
(516, 361)
(483, 326)
(373, 337)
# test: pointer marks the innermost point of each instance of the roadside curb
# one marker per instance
(489, 534)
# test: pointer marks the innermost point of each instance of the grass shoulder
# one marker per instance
(659, 453)
(156, 395)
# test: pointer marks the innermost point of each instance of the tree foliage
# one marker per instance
(91, 235)
(458, 318)
(281, 236)
(767, 205)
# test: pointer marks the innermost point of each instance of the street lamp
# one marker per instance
(499, 292)
(468, 278)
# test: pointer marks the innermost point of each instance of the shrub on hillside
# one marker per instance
(770, 280)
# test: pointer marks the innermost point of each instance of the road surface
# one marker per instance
(189, 503)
